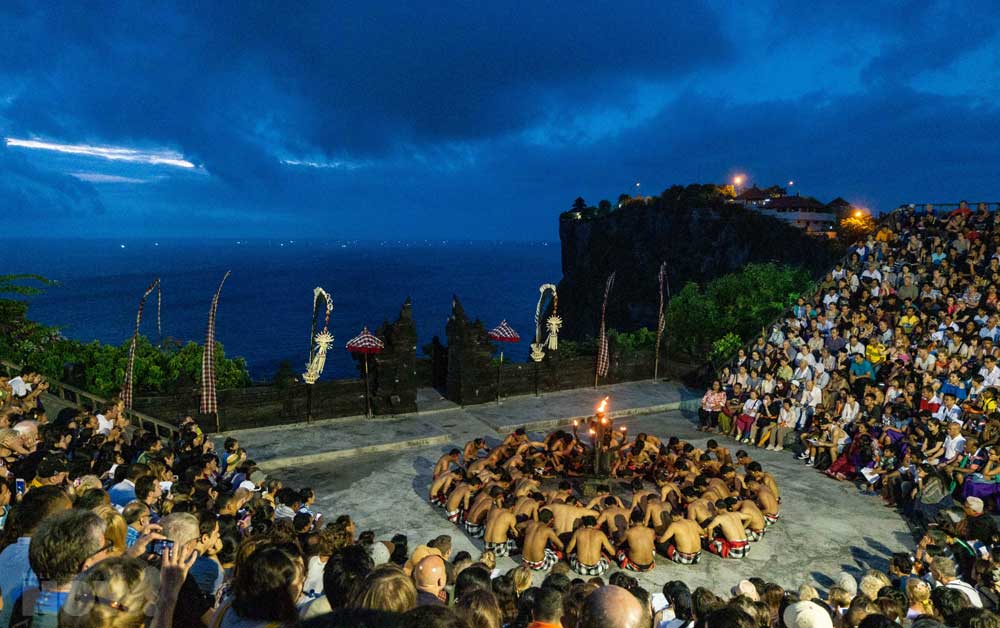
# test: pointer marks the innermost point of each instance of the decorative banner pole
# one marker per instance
(661, 321)
(553, 324)
(502, 333)
(323, 340)
(365, 343)
(603, 357)
(209, 403)
(129, 369)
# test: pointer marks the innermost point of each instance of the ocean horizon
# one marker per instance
(265, 311)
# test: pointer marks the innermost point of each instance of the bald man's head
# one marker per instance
(430, 574)
(612, 607)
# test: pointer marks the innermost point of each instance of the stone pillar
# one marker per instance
(471, 374)
(392, 373)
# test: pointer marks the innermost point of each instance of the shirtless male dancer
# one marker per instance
(614, 517)
(732, 542)
(592, 549)
(686, 536)
(444, 462)
(538, 535)
(458, 500)
(501, 529)
(636, 549)
(441, 485)
(475, 521)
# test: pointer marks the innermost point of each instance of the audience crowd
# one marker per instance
(887, 377)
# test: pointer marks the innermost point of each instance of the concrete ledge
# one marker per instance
(548, 424)
(339, 454)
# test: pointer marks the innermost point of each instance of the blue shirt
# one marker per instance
(131, 536)
(862, 369)
(949, 388)
(122, 494)
(15, 576)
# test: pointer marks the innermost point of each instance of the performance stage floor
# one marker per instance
(826, 526)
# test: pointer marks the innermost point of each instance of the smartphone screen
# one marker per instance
(19, 486)
(160, 545)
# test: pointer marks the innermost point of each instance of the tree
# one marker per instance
(579, 204)
(604, 205)
(855, 226)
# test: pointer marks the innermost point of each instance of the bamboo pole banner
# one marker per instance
(603, 357)
(209, 404)
(129, 368)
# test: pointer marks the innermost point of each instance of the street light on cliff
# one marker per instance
(738, 182)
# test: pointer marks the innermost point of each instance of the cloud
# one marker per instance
(113, 153)
(97, 177)
(31, 196)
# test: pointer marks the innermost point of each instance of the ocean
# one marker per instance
(265, 311)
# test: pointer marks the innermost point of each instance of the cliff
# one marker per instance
(698, 244)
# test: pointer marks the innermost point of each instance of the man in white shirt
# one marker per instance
(949, 410)
(990, 372)
(855, 346)
(954, 443)
(991, 329)
(944, 572)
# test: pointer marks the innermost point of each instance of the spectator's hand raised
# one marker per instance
(150, 532)
(176, 563)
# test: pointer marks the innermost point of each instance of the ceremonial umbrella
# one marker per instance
(365, 343)
(502, 333)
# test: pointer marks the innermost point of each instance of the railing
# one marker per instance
(83, 400)
(948, 207)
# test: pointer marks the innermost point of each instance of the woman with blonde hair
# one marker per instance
(918, 593)
(115, 528)
(386, 588)
(522, 579)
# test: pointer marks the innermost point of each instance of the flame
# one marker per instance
(592, 432)
(603, 406)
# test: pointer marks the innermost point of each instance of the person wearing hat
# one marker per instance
(51, 472)
(806, 615)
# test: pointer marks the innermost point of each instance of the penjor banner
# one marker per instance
(603, 357)
(209, 404)
(127, 386)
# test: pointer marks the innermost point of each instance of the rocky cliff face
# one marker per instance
(696, 244)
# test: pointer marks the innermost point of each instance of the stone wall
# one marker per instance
(259, 406)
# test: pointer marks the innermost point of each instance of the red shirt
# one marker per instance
(542, 624)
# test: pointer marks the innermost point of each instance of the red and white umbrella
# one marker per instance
(502, 333)
(366, 343)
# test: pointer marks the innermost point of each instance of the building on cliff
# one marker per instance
(803, 212)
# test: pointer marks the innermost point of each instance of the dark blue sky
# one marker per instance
(477, 119)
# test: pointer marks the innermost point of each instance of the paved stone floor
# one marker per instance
(826, 526)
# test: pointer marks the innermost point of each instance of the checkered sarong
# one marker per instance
(501, 549)
(729, 549)
(475, 530)
(627, 563)
(771, 519)
(209, 404)
(589, 570)
(682, 558)
(755, 535)
(551, 558)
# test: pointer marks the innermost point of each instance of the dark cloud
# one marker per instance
(483, 119)
(40, 195)
(221, 80)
